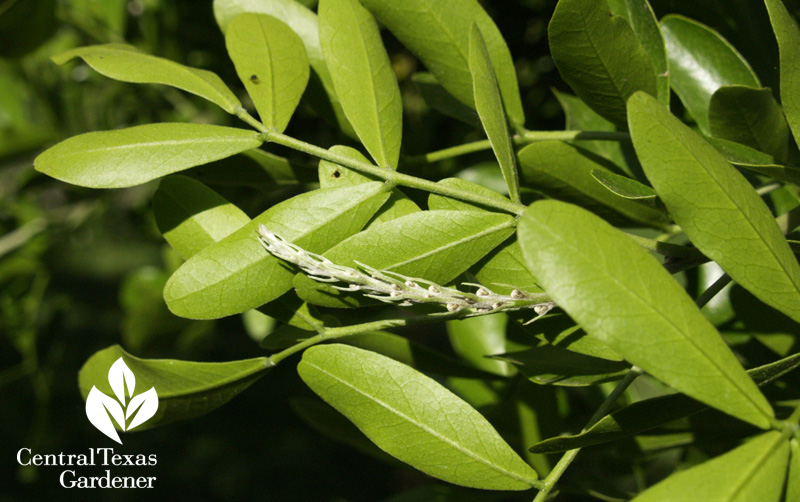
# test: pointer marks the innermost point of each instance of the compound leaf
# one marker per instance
(622, 296)
(413, 418)
(128, 157)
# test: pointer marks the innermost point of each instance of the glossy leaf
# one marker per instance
(564, 172)
(490, 109)
(128, 64)
(647, 30)
(580, 117)
(432, 245)
(595, 273)
(648, 414)
(437, 98)
(700, 62)
(237, 273)
(787, 33)
(362, 76)
(413, 418)
(754, 471)
(477, 338)
(793, 481)
(437, 32)
(752, 160)
(191, 216)
(128, 157)
(715, 205)
(625, 187)
(271, 63)
(552, 365)
(304, 23)
(599, 56)
(751, 117)
(185, 389)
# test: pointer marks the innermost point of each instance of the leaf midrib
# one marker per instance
(475, 456)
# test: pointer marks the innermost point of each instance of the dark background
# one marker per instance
(83, 269)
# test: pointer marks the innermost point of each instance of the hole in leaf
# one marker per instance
(337, 174)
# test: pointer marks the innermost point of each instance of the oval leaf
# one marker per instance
(128, 157)
(788, 35)
(751, 117)
(700, 62)
(191, 216)
(754, 471)
(185, 389)
(715, 205)
(623, 186)
(128, 64)
(363, 77)
(645, 26)
(413, 418)
(438, 31)
(238, 274)
(599, 56)
(490, 109)
(271, 63)
(621, 295)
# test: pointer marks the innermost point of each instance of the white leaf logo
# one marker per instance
(127, 408)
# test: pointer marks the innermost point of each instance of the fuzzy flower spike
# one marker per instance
(391, 287)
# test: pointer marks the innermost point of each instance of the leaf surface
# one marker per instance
(129, 157)
(788, 35)
(128, 64)
(622, 296)
(715, 205)
(413, 418)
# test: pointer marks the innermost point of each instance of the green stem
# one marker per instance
(388, 174)
(566, 459)
(712, 290)
(519, 140)
(338, 332)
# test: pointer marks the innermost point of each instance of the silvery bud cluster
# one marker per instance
(391, 287)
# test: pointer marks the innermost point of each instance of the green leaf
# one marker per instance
(754, 471)
(648, 414)
(645, 26)
(564, 172)
(715, 205)
(490, 109)
(623, 186)
(432, 245)
(237, 273)
(503, 270)
(412, 354)
(437, 32)
(579, 117)
(413, 418)
(477, 338)
(441, 202)
(622, 296)
(278, 168)
(271, 63)
(552, 365)
(128, 64)
(191, 216)
(560, 331)
(334, 175)
(793, 481)
(700, 62)
(599, 56)
(437, 98)
(751, 117)
(363, 77)
(331, 424)
(128, 157)
(290, 309)
(185, 389)
(755, 161)
(304, 23)
(788, 35)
